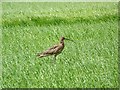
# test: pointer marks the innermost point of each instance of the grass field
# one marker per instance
(90, 62)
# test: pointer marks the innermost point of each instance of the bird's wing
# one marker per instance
(51, 50)
(55, 46)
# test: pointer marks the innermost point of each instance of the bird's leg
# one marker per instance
(54, 58)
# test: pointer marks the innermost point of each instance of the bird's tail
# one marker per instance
(40, 55)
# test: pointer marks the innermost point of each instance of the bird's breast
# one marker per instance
(59, 48)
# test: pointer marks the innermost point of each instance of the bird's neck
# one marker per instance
(62, 42)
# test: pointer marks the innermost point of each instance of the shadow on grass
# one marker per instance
(46, 21)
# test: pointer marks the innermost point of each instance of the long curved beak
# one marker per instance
(69, 39)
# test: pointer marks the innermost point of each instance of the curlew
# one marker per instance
(55, 50)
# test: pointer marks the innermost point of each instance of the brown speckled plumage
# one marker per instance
(55, 50)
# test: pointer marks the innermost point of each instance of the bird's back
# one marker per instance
(55, 50)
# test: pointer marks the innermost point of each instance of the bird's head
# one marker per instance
(63, 38)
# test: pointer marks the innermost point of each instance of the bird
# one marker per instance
(54, 50)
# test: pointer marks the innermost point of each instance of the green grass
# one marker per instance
(90, 62)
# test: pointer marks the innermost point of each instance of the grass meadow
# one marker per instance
(32, 27)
